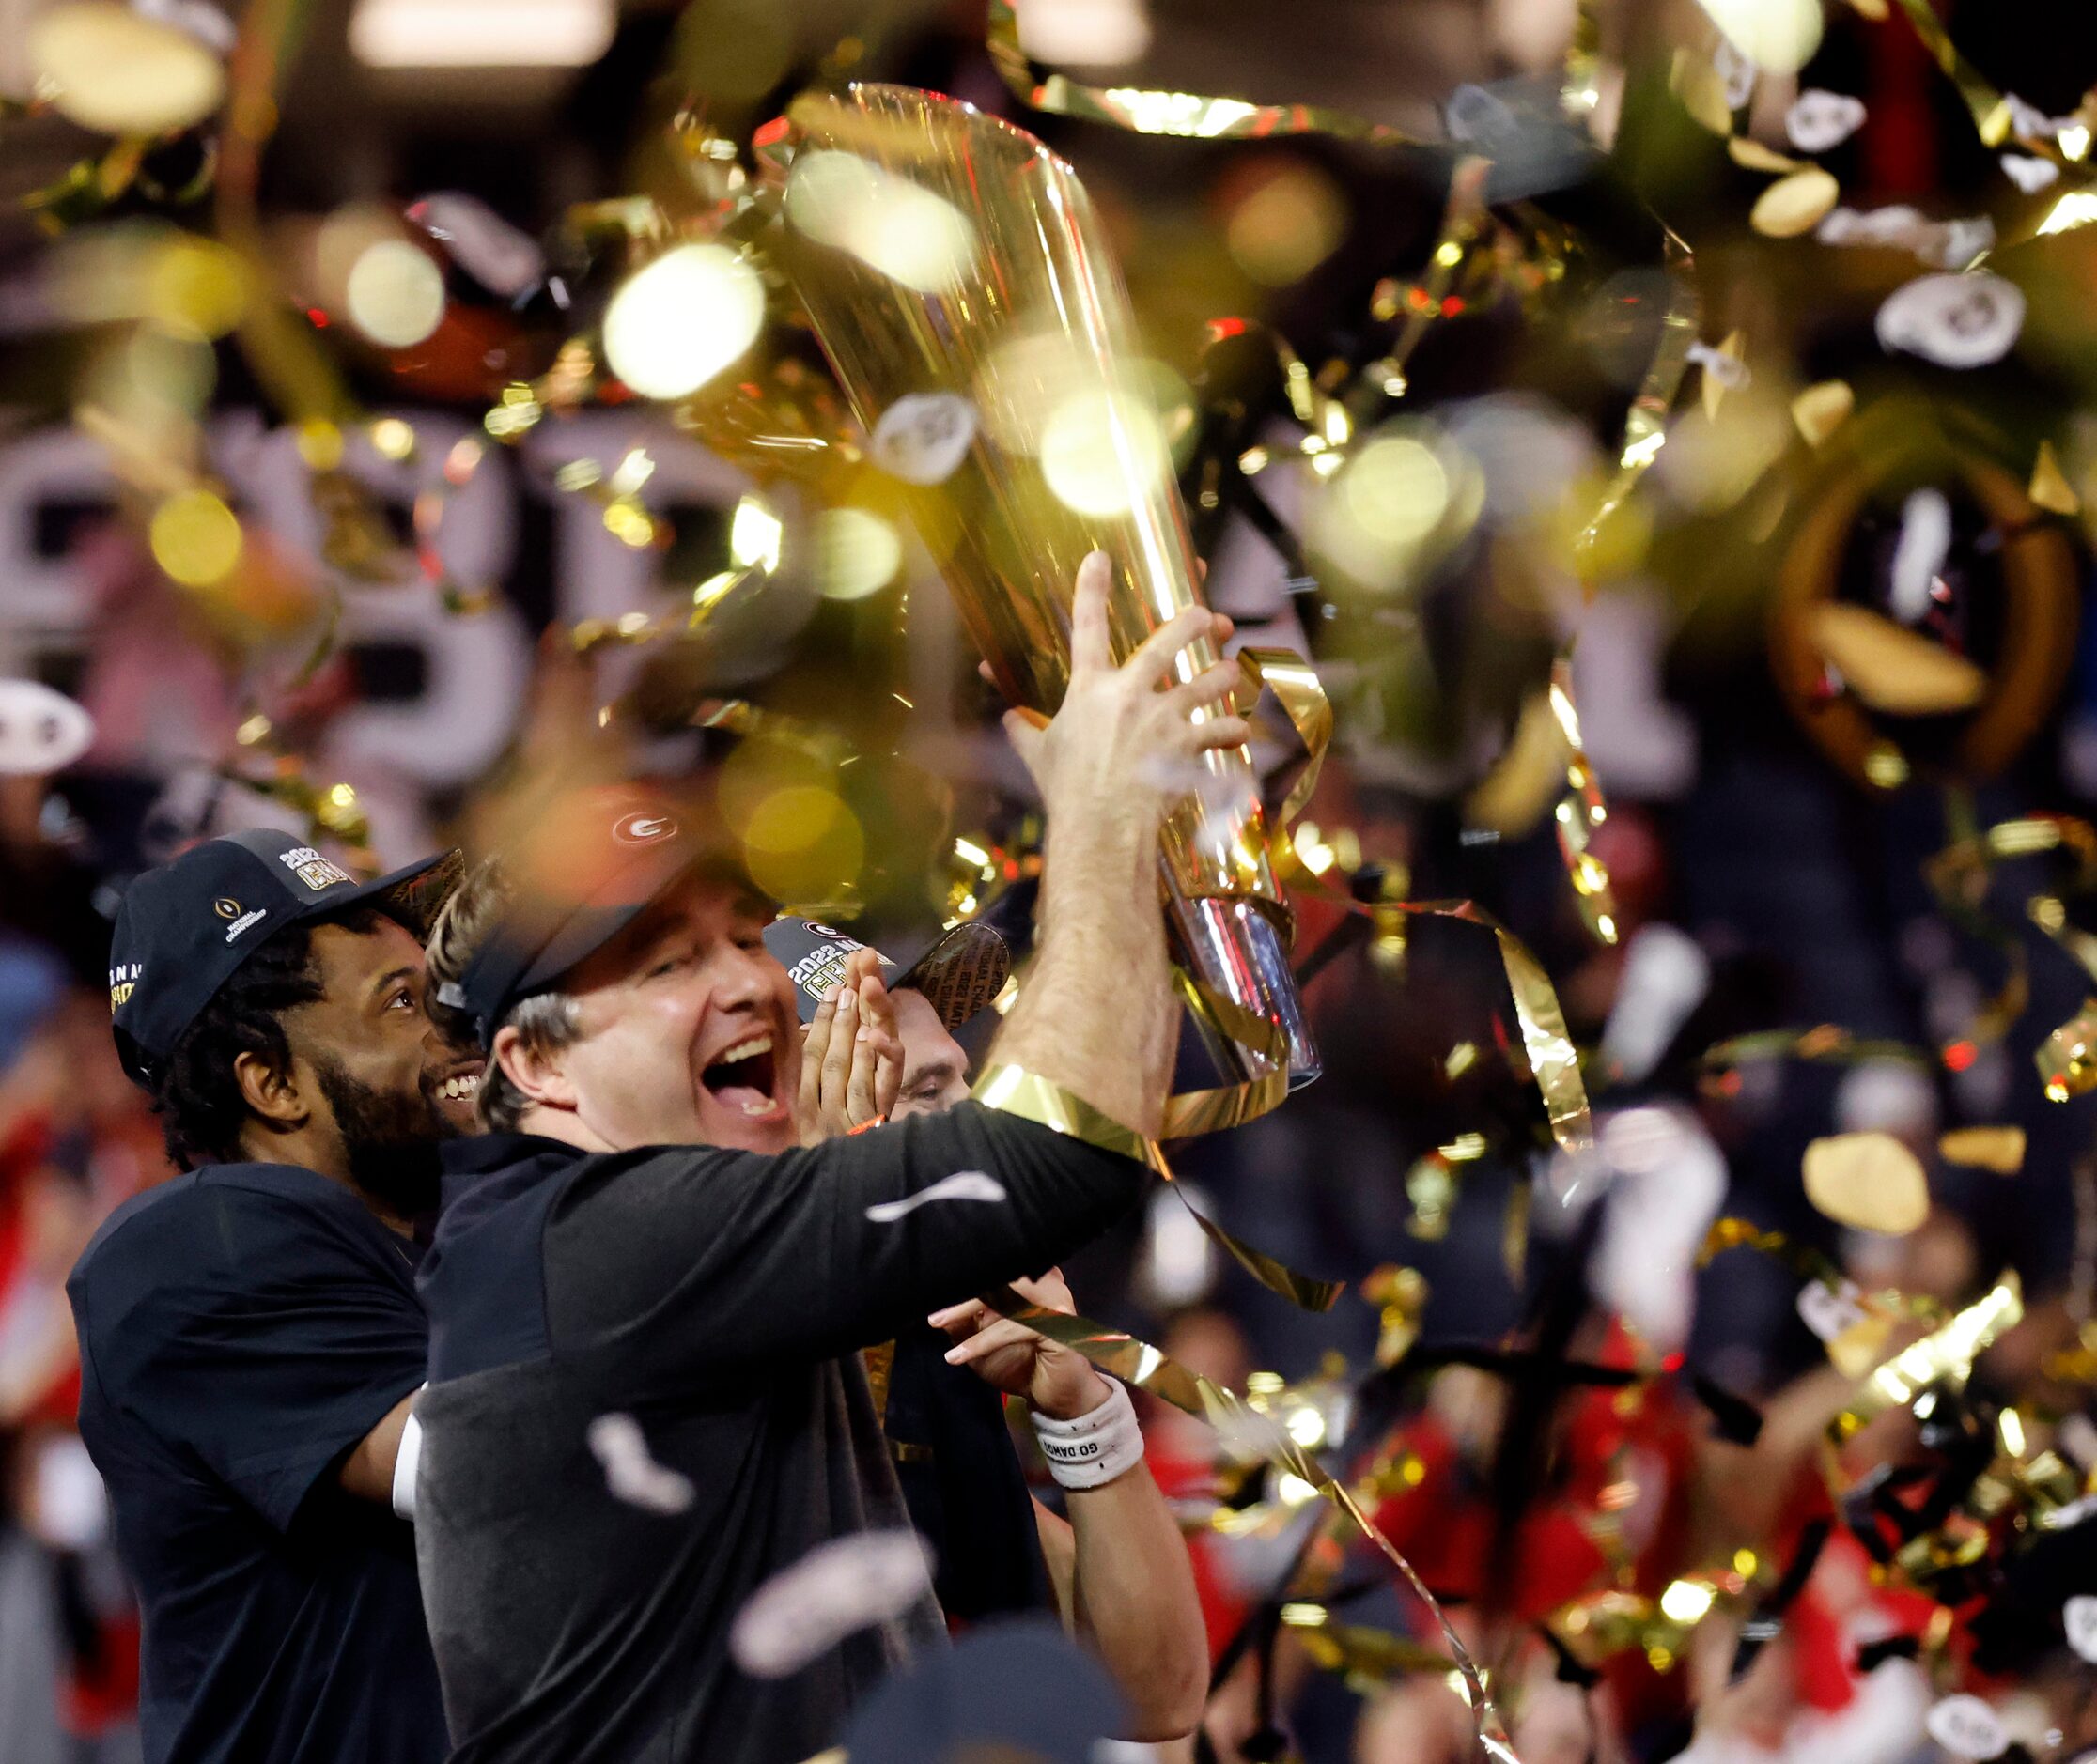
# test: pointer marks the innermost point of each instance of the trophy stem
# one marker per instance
(1235, 950)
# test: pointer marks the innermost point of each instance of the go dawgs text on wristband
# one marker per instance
(1097, 1446)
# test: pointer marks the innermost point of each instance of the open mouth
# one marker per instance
(741, 1077)
(461, 1087)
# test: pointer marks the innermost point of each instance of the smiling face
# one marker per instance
(367, 1050)
(685, 1029)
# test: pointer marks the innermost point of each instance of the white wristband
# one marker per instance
(405, 1462)
(1097, 1446)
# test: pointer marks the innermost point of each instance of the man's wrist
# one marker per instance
(1082, 1401)
(1096, 1447)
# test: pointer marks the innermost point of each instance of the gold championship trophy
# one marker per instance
(956, 275)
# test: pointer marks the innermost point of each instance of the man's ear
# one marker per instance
(536, 1073)
(271, 1094)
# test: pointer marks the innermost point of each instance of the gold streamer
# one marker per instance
(1151, 111)
(1992, 117)
(1548, 1048)
(1579, 811)
(1138, 1363)
(1960, 875)
(1302, 696)
(1946, 1355)
(1645, 426)
(1014, 1090)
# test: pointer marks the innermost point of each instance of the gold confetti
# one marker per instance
(1999, 1148)
(1866, 1181)
(1890, 668)
(1752, 156)
(1823, 408)
(2049, 486)
(2064, 1059)
(1795, 204)
(1944, 1356)
(1702, 89)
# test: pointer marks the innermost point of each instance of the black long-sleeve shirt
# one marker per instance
(718, 1298)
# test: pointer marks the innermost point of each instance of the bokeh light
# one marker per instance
(1103, 450)
(678, 322)
(195, 538)
(802, 844)
(1287, 223)
(110, 69)
(857, 554)
(395, 294)
(907, 233)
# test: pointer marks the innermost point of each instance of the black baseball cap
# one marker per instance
(1016, 1688)
(594, 865)
(960, 972)
(185, 929)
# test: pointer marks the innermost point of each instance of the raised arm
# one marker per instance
(1098, 1014)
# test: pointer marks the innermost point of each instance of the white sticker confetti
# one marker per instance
(1919, 552)
(40, 731)
(1953, 320)
(630, 1472)
(964, 1184)
(1736, 70)
(2078, 1616)
(836, 1589)
(1826, 1310)
(1819, 120)
(1968, 1727)
(923, 437)
(1730, 371)
(1942, 244)
(2030, 175)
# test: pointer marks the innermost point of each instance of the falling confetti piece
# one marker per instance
(835, 1590)
(1999, 1148)
(1953, 320)
(1723, 370)
(967, 1184)
(631, 1470)
(1819, 120)
(1968, 1727)
(2078, 1617)
(2030, 175)
(40, 731)
(923, 437)
(1893, 669)
(1823, 408)
(1867, 1181)
(1751, 154)
(2049, 486)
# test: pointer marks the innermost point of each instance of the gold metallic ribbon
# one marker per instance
(1945, 1355)
(1138, 1363)
(1150, 111)
(1302, 696)
(1014, 1090)
(1645, 426)
(1960, 875)
(1579, 811)
(1989, 109)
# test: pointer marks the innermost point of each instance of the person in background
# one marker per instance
(1116, 1570)
(249, 1334)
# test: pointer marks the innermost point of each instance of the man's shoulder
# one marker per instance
(203, 1219)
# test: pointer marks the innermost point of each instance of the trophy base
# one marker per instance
(1235, 950)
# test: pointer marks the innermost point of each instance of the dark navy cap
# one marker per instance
(183, 929)
(598, 861)
(1013, 1689)
(959, 973)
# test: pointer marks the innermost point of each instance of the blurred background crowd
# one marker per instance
(1532, 356)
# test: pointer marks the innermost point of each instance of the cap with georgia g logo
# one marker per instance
(183, 929)
(593, 864)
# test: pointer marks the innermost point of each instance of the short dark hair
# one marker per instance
(194, 1091)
